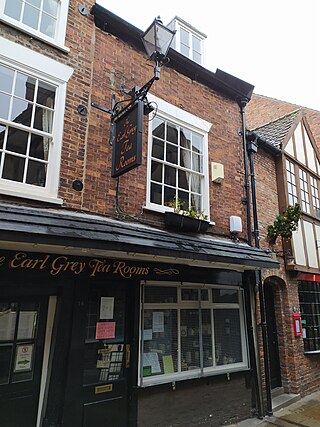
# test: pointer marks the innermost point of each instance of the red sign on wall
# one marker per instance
(127, 144)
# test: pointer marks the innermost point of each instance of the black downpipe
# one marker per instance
(252, 148)
(242, 104)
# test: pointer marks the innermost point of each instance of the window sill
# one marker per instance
(34, 34)
(184, 376)
(312, 352)
(36, 197)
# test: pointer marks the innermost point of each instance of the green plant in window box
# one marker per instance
(185, 219)
(285, 224)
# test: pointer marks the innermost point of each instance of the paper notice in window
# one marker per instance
(105, 330)
(158, 321)
(152, 359)
(106, 307)
(147, 334)
(168, 364)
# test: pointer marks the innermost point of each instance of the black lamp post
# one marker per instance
(156, 40)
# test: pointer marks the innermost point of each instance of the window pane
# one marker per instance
(172, 154)
(157, 149)
(13, 9)
(28, 321)
(170, 175)
(225, 295)
(31, 16)
(17, 141)
(185, 158)
(196, 202)
(48, 25)
(8, 316)
(21, 112)
(196, 45)
(227, 336)
(184, 36)
(43, 119)
(39, 147)
(36, 174)
(36, 3)
(169, 194)
(190, 354)
(50, 6)
(197, 143)
(158, 128)
(4, 106)
(195, 183)
(5, 357)
(46, 94)
(172, 133)
(13, 168)
(183, 177)
(184, 197)
(185, 137)
(2, 135)
(24, 87)
(184, 50)
(156, 194)
(160, 294)
(196, 162)
(160, 344)
(156, 171)
(6, 79)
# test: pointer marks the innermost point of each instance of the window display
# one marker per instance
(190, 332)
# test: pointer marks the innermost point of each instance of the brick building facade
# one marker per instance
(276, 122)
(108, 316)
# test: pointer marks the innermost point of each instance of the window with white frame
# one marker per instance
(188, 41)
(31, 122)
(45, 19)
(178, 165)
(190, 331)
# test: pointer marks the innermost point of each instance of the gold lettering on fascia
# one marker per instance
(62, 264)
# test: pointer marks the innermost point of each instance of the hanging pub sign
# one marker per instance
(127, 141)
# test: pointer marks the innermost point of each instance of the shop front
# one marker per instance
(134, 333)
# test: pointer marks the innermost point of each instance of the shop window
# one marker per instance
(45, 19)
(199, 333)
(309, 296)
(178, 166)
(31, 122)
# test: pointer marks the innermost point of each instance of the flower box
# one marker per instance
(180, 222)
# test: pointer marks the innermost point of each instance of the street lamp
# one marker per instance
(156, 40)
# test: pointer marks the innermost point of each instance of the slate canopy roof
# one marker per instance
(55, 230)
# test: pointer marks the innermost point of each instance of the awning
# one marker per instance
(64, 231)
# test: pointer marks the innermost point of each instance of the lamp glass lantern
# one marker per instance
(157, 40)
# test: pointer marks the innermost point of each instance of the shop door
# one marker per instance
(99, 363)
(273, 350)
(22, 331)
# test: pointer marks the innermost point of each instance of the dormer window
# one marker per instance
(188, 41)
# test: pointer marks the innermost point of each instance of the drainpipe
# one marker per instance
(252, 149)
(242, 102)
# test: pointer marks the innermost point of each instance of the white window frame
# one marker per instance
(183, 118)
(191, 33)
(62, 17)
(195, 373)
(39, 66)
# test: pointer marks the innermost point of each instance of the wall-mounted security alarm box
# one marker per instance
(217, 172)
(235, 224)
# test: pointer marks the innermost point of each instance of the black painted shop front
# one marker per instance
(72, 329)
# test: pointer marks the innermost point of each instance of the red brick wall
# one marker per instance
(102, 63)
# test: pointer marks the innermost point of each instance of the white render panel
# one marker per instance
(311, 244)
(298, 247)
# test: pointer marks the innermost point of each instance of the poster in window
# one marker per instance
(106, 308)
(158, 321)
(105, 330)
(24, 354)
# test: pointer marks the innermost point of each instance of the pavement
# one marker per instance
(304, 413)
